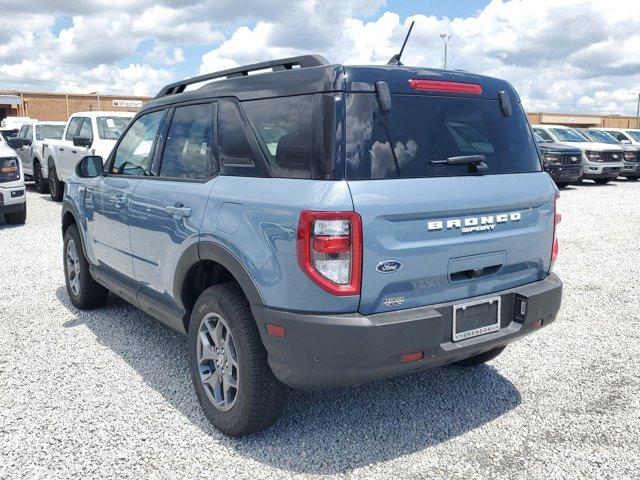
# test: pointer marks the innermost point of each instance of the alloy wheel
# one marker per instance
(218, 361)
(73, 267)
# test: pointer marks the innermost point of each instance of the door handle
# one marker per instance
(61, 149)
(118, 200)
(74, 151)
(178, 211)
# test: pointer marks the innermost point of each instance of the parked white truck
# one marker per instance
(30, 144)
(86, 133)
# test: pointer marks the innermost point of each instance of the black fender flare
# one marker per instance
(69, 208)
(221, 255)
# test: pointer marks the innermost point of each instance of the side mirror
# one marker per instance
(26, 142)
(14, 142)
(626, 142)
(89, 167)
(82, 142)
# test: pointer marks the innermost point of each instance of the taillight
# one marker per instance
(330, 250)
(442, 86)
(557, 217)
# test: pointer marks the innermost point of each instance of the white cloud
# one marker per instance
(573, 55)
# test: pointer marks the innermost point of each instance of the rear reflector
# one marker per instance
(411, 357)
(440, 86)
(276, 330)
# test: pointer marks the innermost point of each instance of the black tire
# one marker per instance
(17, 218)
(633, 179)
(56, 187)
(260, 397)
(601, 181)
(480, 358)
(562, 184)
(40, 184)
(90, 294)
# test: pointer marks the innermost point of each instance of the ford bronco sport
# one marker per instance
(317, 226)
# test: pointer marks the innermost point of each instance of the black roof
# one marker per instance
(314, 74)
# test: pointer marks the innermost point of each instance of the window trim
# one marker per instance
(108, 165)
(261, 161)
(156, 164)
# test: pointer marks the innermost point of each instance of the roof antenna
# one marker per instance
(395, 60)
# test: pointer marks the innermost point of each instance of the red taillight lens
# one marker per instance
(330, 250)
(557, 218)
(440, 86)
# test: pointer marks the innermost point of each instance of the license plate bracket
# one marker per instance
(476, 318)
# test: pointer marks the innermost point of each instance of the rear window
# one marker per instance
(110, 128)
(49, 131)
(420, 129)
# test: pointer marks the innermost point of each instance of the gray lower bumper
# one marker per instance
(327, 351)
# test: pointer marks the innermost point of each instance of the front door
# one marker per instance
(111, 196)
(24, 152)
(167, 209)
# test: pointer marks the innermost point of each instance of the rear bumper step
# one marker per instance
(323, 351)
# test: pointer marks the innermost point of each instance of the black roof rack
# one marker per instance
(302, 61)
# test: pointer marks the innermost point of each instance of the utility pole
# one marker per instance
(445, 38)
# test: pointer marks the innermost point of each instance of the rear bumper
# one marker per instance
(334, 350)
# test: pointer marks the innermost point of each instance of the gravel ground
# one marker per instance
(107, 393)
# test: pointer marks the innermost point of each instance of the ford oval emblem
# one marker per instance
(389, 266)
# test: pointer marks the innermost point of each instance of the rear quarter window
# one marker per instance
(420, 129)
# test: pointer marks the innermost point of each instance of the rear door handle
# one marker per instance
(178, 211)
(61, 149)
(118, 200)
(74, 151)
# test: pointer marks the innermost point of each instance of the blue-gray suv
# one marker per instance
(314, 226)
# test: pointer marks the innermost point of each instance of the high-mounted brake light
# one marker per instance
(557, 218)
(442, 86)
(330, 250)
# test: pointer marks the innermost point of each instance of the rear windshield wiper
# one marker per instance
(475, 162)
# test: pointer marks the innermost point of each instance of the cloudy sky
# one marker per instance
(561, 55)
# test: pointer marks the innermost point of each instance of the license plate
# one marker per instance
(476, 318)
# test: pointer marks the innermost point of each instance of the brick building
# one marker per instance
(582, 120)
(58, 106)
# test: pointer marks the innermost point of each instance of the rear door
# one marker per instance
(435, 232)
(168, 206)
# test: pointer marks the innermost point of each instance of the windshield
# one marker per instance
(567, 135)
(110, 128)
(600, 136)
(635, 134)
(49, 131)
(1, 138)
(420, 133)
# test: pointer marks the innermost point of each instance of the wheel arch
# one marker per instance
(205, 264)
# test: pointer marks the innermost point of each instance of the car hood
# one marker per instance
(6, 150)
(596, 146)
(558, 147)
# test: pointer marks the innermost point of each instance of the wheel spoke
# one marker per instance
(207, 351)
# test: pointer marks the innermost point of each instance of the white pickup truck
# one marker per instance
(29, 145)
(86, 133)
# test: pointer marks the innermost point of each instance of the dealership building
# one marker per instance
(59, 106)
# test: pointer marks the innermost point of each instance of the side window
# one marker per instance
(188, 148)
(135, 151)
(23, 131)
(236, 155)
(73, 128)
(620, 136)
(545, 136)
(85, 129)
(29, 133)
(283, 126)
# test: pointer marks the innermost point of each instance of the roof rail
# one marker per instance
(302, 61)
